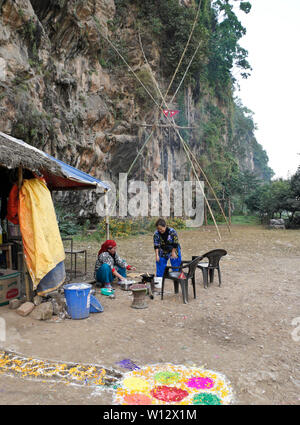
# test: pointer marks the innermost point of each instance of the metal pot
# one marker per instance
(126, 284)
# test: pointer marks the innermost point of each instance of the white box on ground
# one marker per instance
(158, 282)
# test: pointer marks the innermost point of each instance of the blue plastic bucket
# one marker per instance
(78, 299)
(95, 307)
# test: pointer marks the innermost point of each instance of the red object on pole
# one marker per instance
(170, 112)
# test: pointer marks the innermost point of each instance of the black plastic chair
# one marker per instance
(174, 275)
(209, 267)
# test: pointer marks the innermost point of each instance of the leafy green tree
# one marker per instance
(280, 191)
(295, 184)
(245, 6)
(246, 184)
(271, 198)
(293, 201)
(253, 200)
(218, 29)
(171, 24)
(225, 51)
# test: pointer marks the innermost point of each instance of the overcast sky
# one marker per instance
(272, 91)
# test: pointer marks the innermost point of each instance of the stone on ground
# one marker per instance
(43, 311)
(25, 309)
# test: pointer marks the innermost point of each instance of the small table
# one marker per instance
(7, 248)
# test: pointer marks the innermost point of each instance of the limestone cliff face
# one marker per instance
(58, 94)
(54, 91)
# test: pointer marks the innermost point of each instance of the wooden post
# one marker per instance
(106, 215)
(25, 270)
(205, 214)
(229, 211)
(223, 204)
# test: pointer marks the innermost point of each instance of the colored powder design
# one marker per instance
(13, 364)
(136, 384)
(206, 398)
(137, 399)
(200, 383)
(128, 364)
(168, 394)
(173, 384)
(167, 377)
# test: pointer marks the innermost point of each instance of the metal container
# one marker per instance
(126, 284)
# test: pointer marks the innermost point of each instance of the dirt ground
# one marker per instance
(242, 329)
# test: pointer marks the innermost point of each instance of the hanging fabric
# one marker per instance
(43, 247)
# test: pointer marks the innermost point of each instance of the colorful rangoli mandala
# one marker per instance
(171, 384)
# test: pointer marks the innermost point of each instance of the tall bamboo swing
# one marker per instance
(163, 105)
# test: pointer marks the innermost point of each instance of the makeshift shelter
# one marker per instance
(58, 175)
(15, 154)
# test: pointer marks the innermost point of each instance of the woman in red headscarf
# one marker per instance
(109, 265)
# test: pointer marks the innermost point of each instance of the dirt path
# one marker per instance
(242, 329)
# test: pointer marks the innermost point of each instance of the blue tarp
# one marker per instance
(61, 177)
(74, 178)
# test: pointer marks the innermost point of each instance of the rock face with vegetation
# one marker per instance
(65, 90)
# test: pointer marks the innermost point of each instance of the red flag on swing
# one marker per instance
(170, 112)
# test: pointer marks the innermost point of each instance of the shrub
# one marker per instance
(66, 221)
(129, 227)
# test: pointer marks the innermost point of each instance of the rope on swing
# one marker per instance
(173, 125)
(185, 145)
(140, 151)
(186, 148)
(185, 49)
(186, 71)
(164, 102)
(160, 107)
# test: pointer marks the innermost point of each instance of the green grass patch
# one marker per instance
(237, 219)
(245, 219)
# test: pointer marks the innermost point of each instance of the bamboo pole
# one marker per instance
(164, 126)
(184, 144)
(106, 215)
(25, 270)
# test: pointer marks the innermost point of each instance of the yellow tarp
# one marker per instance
(43, 247)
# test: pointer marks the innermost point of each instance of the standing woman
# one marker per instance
(166, 247)
(109, 265)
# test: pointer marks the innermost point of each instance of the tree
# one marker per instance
(293, 200)
(225, 51)
(271, 198)
(295, 184)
